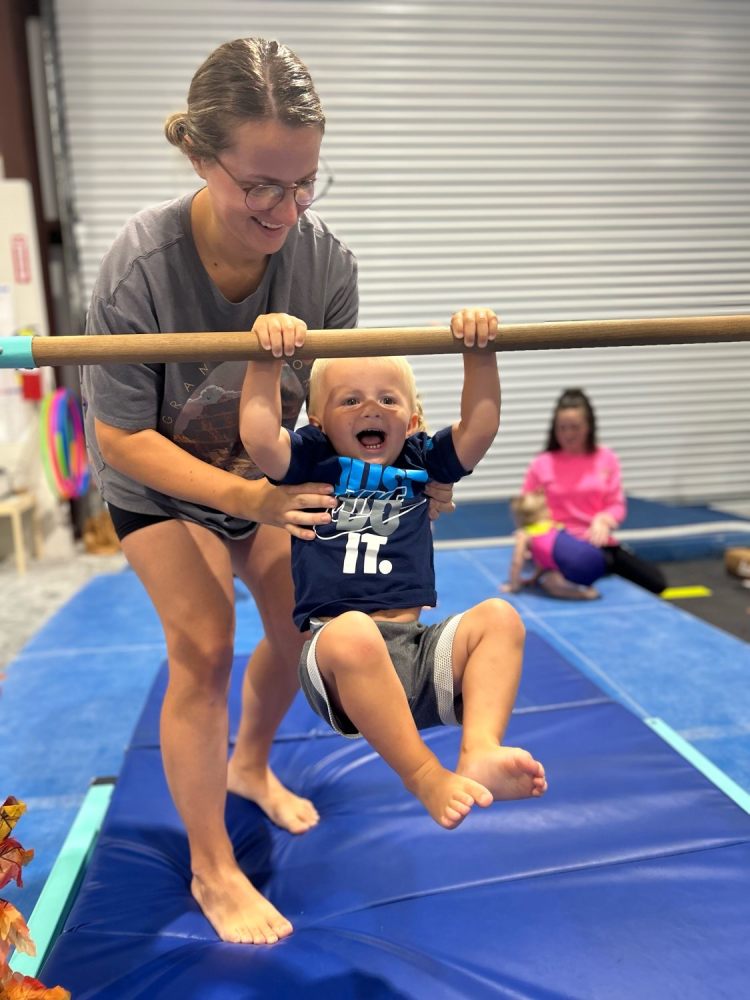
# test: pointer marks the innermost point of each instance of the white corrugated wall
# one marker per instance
(554, 160)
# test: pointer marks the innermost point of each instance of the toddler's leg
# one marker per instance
(487, 655)
(555, 584)
(361, 681)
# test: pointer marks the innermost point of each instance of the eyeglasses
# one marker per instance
(262, 197)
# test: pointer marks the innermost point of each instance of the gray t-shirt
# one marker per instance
(152, 281)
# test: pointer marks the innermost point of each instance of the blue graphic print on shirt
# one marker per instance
(376, 553)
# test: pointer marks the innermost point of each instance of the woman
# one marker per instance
(190, 508)
(581, 483)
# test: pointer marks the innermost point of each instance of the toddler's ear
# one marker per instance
(419, 414)
(315, 422)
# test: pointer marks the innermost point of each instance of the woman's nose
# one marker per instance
(287, 211)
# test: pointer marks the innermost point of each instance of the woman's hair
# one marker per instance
(527, 507)
(573, 399)
(316, 401)
(248, 79)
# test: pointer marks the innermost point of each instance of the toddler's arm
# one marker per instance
(520, 552)
(266, 441)
(480, 398)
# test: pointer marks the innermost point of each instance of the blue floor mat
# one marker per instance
(72, 699)
(627, 879)
(546, 679)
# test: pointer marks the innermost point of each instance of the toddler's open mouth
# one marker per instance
(371, 438)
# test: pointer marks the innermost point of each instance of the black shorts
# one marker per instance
(128, 521)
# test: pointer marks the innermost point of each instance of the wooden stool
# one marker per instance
(14, 506)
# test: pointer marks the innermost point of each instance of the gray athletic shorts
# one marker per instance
(422, 655)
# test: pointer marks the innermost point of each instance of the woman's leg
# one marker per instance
(262, 562)
(187, 573)
(630, 566)
(487, 656)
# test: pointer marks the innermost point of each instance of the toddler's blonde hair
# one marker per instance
(317, 392)
(527, 508)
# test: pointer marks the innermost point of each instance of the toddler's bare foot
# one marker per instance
(283, 807)
(508, 772)
(236, 910)
(447, 797)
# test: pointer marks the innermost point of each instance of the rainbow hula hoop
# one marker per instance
(63, 445)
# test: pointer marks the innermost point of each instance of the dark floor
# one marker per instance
(727, 608)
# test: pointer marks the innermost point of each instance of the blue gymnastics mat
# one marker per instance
(628, 879)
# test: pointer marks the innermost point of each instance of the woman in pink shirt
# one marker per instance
(582, 485)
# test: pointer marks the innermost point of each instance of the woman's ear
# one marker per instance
(199, 166)
(198, 163)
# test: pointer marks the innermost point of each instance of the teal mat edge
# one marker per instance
(700, 763)
(62, 884)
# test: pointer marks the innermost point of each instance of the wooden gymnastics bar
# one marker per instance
(163, 347)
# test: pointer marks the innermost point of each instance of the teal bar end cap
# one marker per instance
(15, 352)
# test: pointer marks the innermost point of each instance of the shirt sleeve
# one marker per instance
(532, 480)
(127, 396)
(309, 446)
(342, 309)
(439, 456)
(613, 498)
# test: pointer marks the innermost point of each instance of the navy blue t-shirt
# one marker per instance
(377, 551)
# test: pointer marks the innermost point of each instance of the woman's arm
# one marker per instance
(154, 460)
(613, 502)
(614, 498)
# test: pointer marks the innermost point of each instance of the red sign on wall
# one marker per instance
(19, 252)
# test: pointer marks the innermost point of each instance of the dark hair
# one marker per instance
(248, 79)
(573, 399)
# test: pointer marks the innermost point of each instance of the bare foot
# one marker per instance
(237, 911)
(283, 807)
(508, 772)
(446, 796)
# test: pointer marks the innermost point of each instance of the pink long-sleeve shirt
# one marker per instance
(578, 486)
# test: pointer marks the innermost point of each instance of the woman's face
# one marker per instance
(265, 152)
(572, 430)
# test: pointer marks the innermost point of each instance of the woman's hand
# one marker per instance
(441, 499)
(600, 529)
(280, 333)
(294, 508)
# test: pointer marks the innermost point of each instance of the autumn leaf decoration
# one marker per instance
(13, 930)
